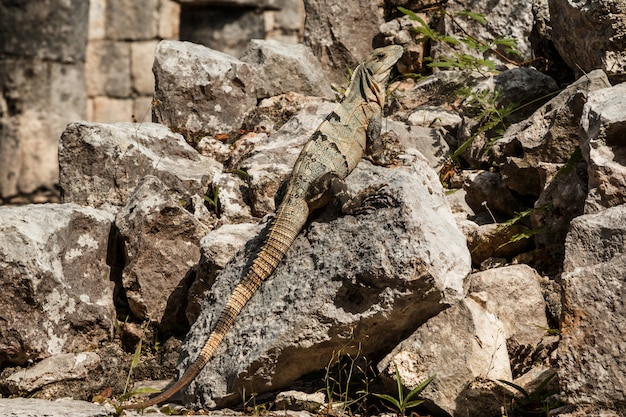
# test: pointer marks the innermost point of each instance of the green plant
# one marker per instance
(241, 173)
(346, 383)
(250, 405)
(519, 216)
(549, 331)
(491, 115)
(212, 198)
(133, 364)
(536, 402)
(401, 403)
(463, 61)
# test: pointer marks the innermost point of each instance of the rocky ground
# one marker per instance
(499, 254)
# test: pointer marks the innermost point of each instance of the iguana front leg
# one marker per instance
(331, 187)
(377, 150)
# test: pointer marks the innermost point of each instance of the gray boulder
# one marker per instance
(199, 90)
(55, 280)
(101, 164)
(514, 294)
(592, 364)
(340, 33)
(286, 68)
(159, 241)
(53, 369)
(589, 35)
(549, 135)
(604, 148)
(400, 266)
(28, 407)
(510, 19)
(461, 347)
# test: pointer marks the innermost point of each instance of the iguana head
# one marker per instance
(380, 61)
(369, 80)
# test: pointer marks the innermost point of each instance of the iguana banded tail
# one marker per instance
(333, 151)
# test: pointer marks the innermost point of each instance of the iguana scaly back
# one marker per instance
(332, 152)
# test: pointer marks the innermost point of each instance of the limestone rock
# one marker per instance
(523, 90)
(542, 45)
(435, 116)
(523, 86)
(102, 164)
(55, 280)
(461, 344)
(160, 241)
(343, 279)
(28, 407)
(562, 200)
(231, 192)
(340, 34)
(601, 24)
(487, 188)
(493, 240)
(223, 97)
(201, 90)
(53, 369)
(591, 352)
(430, 142)
(400, 31)
(296, 400)
(514, 295)
(286, 67)
(550, 135)
(604, 148)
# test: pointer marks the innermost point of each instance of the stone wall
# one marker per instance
(122, 39)
(42, 72)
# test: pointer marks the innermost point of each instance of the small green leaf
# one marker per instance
(418, 389)
(137, 354)
(478, 17)
(388, 398)
(138, 391)
(517, 387)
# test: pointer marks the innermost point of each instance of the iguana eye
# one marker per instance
(380, 55)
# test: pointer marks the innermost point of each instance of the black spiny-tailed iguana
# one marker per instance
(333, 151)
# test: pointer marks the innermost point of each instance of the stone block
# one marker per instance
(591, 354)
(111, 110)
(102, 164)
(169, 19)
(41, 98)
(141, 60)
(97, 21)
(108, 69)
(54, 30)
(142, 109)
(132, 20)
